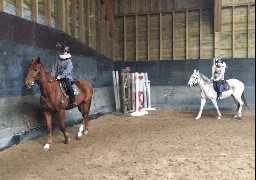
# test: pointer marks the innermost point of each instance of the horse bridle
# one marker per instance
(196, 79)
(35, 78)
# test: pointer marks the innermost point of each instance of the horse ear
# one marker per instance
(38, 59)
(194, 70)
(198, 71)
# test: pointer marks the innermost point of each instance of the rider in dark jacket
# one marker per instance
(62, 72)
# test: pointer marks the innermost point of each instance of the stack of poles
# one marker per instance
(116, 90)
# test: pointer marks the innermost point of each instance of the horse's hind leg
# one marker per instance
(48, 118)
(84, 108)
(241, 103)
(62, 126)
(236, 102)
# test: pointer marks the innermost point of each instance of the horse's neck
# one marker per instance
(45, 76)
(203, 81)
(46, 82)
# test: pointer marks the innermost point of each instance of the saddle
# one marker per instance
(224, 84)
(64, 90)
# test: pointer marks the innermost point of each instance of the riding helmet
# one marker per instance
(66, 48)
(218, 60)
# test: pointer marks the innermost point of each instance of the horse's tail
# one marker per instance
(245, 103)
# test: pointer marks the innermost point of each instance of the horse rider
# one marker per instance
(61, 71)
(218, 76)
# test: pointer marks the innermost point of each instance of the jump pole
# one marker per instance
(133, 92)
(147, 83)
(213, 66)
(145, 95)
(118, 91)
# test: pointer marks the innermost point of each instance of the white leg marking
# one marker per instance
(80, 131)
(46, 147)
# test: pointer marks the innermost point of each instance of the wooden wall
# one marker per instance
(138, 30)
(79, 18)
(184, 29)
(238, 30)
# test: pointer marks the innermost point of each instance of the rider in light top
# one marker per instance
(218, 76)
(62, 72)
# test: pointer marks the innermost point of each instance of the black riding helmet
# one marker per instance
(66, 48)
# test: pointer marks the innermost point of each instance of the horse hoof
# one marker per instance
(78, 137)
(86, 132)
(67, 141)
(219, 118)
(238, 117)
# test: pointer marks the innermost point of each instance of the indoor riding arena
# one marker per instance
(149, 63)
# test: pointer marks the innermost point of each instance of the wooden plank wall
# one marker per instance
(238, 29)
(147, 29)
(79, 18)
(178, 30)
(164, 30)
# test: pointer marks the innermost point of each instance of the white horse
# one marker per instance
(207, 92)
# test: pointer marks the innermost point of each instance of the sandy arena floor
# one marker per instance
(165, 144)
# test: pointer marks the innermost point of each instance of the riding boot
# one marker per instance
(220, 93)
(70, 92)
(72, 100)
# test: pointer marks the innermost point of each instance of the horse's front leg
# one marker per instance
(203, 101)
(62, 126)
(214, 102)
(84, 108)
(48, 118)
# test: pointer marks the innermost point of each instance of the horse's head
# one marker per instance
(194, 78)
(32, 76)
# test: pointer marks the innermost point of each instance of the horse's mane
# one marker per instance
(205, 78)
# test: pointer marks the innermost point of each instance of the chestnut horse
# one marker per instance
(52, 100)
